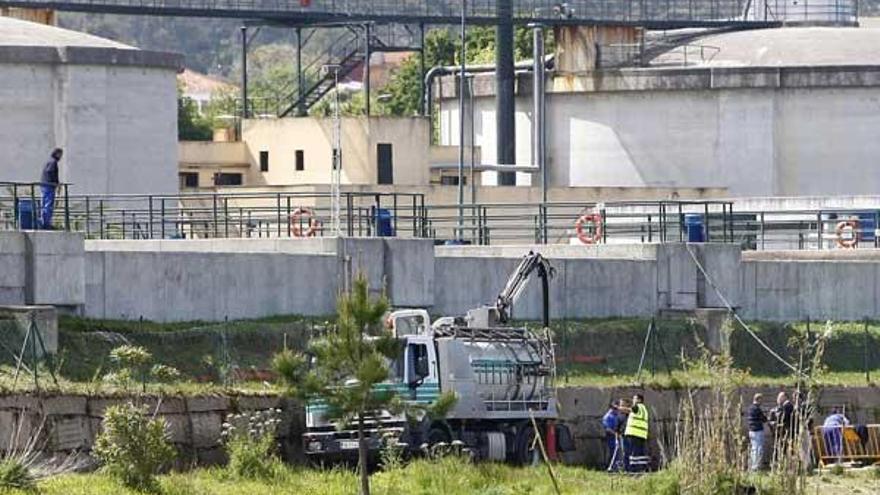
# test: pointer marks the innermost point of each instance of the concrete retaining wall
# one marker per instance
(70, 423)
(175, 280)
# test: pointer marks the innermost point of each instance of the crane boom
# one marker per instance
(518, 281)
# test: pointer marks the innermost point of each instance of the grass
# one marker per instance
(446, 476)
(679, 379)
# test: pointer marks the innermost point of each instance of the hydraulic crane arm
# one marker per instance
(517, 282)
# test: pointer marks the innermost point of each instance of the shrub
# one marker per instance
(133, 446)
(14, 474)
(250, 443)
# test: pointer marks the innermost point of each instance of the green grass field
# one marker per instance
(443, 477)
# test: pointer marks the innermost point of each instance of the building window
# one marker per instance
(264, 161)
(222, 179)
(451, 180)
(300, 160)
(189, 180)
(385, 162)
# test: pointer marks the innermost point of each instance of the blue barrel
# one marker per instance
(693, 224)
(867, 226)
(26, 213)
(384, 223)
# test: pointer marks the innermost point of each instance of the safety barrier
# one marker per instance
(847, 444)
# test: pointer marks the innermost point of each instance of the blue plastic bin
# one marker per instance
(27, 215)
(384, 223)
(867, 225)
(693, 224)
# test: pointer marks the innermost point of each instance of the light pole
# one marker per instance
(461, 89)
(336, 173)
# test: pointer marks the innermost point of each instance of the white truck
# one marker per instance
(502, 377)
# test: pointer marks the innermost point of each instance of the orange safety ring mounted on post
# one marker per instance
(596, 220)
(847, 234)
(296, 228)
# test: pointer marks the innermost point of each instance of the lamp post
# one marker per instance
(336, 173)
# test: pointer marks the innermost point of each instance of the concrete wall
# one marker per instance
(751, 131)
(117, 125)
(42, 268)
(216, 280)
(360, 137)
(70, 423)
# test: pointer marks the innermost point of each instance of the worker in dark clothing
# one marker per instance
(636, 433)
(756, 420)
(783, 416)
(612, 423)
(48, 185)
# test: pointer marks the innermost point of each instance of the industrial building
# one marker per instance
(773, 112)
(111, 107)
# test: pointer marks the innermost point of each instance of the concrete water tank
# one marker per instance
(112, 107)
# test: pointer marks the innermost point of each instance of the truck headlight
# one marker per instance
(315, 445)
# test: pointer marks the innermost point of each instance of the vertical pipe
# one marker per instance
(504, 82)
(150, 213)
(367, 35)
(422, 63)
(538, 119)
(300, 80)
(473, 143)
(162, 220)
(461, 91)
(244, 78)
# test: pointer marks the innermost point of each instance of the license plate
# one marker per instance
(348, 444)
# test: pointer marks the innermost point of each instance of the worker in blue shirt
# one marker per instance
(611, 423)
(48, 185)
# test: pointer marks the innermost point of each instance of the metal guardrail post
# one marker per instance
(101, 218)
(150, 221)
(706, 222)
(88, 219)
(287, 200)
(278, 213)
(226, 217)
(16, 213)
(214, 210)
(650, 232)
(66, 209)
(394, 209)
(821, 229)
(33, 208)
(763, 232)
(162, 222)
(123, 224)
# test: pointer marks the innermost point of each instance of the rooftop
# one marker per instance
(782, 47)
(24, 42)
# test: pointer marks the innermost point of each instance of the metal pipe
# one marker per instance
(504, 91)
(422, 88)
(461, 91)
(300, 90)
(367, 35)
(244, 78)
(539, 120)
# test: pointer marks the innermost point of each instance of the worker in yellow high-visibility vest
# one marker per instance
(635, 435)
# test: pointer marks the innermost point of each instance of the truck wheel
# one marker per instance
(525, 449)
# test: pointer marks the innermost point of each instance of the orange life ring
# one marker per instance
(295, 223)
(850, 241)
(596, 220)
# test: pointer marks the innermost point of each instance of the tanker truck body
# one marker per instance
(502, 378)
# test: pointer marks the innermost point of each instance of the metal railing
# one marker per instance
(673, 12)
(229, 215)
(20, 205)
(289, 214)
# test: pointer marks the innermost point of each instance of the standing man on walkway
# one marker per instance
(636, 434)
(48, 185)
(756, 420)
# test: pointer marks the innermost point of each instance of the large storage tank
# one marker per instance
(112, 107)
